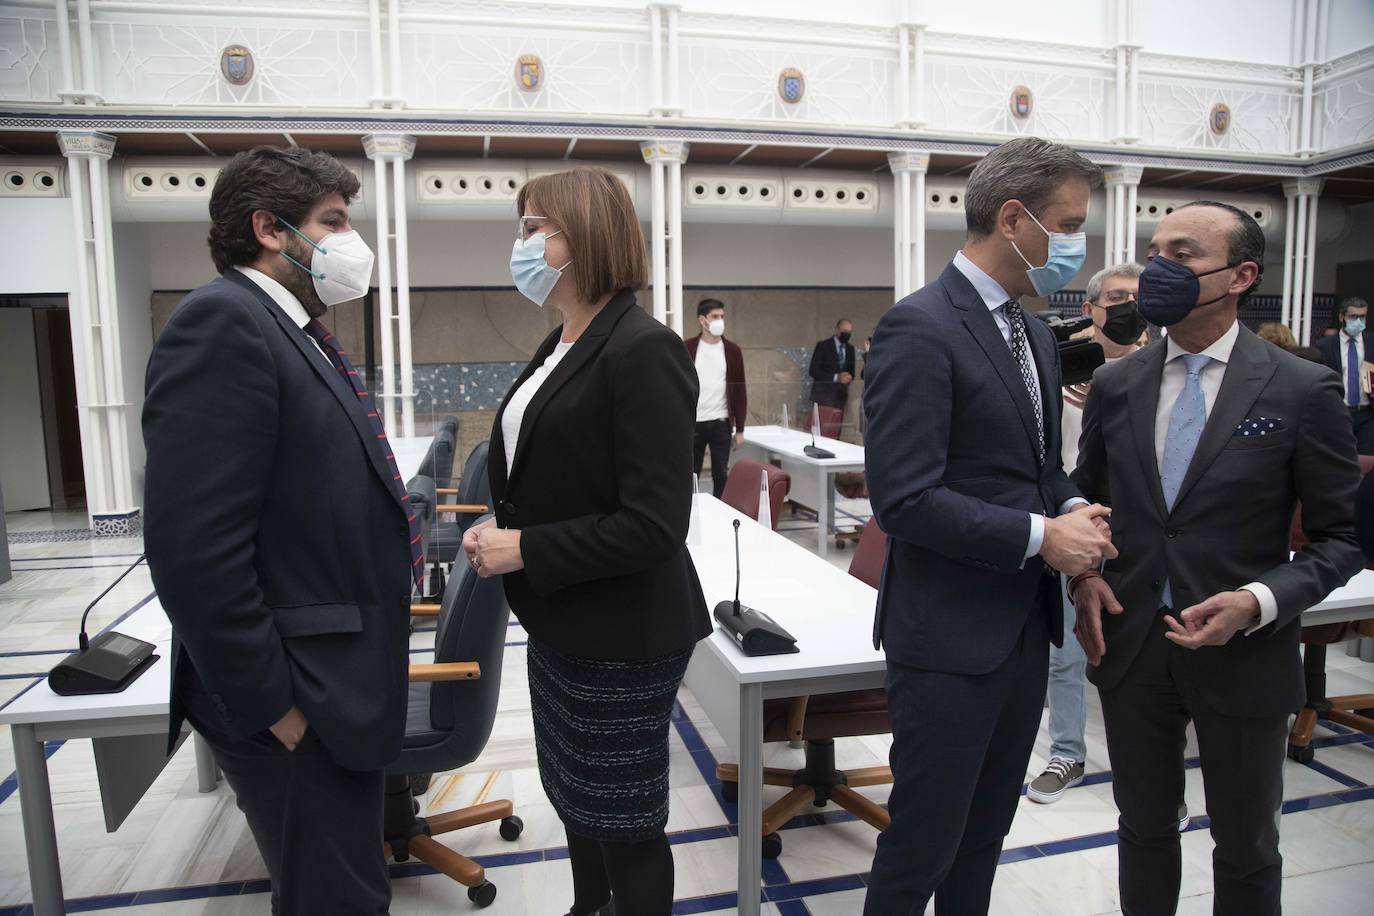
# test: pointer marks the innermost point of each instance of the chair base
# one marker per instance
(817, 783)
(406, 835)
(1344, 710)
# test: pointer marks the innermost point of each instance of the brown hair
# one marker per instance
(597, 216)
(1278, 335)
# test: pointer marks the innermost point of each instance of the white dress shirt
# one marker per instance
(1171, 384)
(1345, 364)
(995, 298)
(514, 414)
(286, 301)
(710, 363)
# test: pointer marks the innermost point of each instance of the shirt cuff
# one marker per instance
(1037, 536)
(1069, 503)
(1269, 605)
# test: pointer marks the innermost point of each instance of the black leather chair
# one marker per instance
(451, 712)
(472, 499)
(438, 461)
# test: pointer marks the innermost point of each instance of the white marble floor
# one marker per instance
(182, 852)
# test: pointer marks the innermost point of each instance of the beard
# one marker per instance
(299, 283)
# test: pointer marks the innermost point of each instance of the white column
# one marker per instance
(1122, 183)
(918, 75)
(1290, 222)
(658, 261)
(95, 338)
(393, 30)
(1109, 232)
(1309, 268)
(1303, 196)
(1132, 74)
(673, 192)
(665, 158)
(374, 32)
(90, 80)
(67, 87)
(674, 68)
(909, 219)
(395, 394)
(1308, 64)
(656, 59)
(407, 376)
(903, 112)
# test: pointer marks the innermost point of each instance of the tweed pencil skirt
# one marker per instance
(601, 733)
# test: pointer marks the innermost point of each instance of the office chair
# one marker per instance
(438, 460)
(449, 718)
(832, 421)
(742, 489)
(472, 499)
(1343, 710)
(818, 721)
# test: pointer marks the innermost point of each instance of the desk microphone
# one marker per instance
(107, 664)
(813, 450)
(753, 631)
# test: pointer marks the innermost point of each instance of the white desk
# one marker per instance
(129, 736)
(831, 614)
(409, 452)
(786, 447)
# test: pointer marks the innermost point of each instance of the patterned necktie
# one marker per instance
(1020, 349)
(1352, 374)
(339, 358)
(1186, 423)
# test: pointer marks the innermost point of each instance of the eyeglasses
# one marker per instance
(1115, 297)
(527, 226)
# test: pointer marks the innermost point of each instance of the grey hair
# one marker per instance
(1130, 270)
(1350, 302)
(1027, 169)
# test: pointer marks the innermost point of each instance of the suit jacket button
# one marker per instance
(509, 508)
(1155, 585)
(216, 697)
(1171, 533)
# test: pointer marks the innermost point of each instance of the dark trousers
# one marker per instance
(959, 753)
(1242, 773)
(716, 434)
(1363, 422)
(317, 825)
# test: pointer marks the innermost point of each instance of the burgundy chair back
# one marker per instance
(832, 421)
(742, 488)
(867, 564)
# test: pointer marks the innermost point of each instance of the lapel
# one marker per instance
(1247, 373)
(1142, 397)
(988, 336)
(587, 346)
(343, 392)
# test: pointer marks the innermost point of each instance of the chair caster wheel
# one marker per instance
(483, 894)
(841, 545)
(1301, 754)
(419, 783)
(729, 791)
(772, 845)
(511, 828)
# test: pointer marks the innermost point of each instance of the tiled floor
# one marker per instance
(182, 852)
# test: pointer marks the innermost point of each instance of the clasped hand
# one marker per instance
(492, 551)
(1079, 540)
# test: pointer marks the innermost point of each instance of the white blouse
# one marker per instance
(515, 408)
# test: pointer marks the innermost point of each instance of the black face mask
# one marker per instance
(1124, 324)
(844, 336)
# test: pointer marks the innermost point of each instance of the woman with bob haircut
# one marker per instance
(590, 472)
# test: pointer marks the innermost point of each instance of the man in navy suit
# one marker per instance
(832, 367)
(278, 535)
(962, 399)
(1346, 352)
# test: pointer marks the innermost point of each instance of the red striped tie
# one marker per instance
(340, 360)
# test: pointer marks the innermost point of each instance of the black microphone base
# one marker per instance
(754, 631)
(111, 664)
(815, 451)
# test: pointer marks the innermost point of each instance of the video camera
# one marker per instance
(1078, 359)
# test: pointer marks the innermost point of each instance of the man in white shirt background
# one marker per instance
(723, 402)
(1346, 352)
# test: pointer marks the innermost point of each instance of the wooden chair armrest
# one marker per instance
(446, 491)
(421, 609)
(796, 718)
(445, 671)
(462, 507)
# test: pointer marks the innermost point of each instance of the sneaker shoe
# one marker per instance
(1061, 775)
(1183, 817)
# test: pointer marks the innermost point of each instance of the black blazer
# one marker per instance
(1231, 521)
(601, 491)
(954, 476)
(277, 548)
(825, 365)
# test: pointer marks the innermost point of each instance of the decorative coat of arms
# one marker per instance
(1219, 120)
(791, 85)
(1021, 102)
(529, 72)
(236, 63)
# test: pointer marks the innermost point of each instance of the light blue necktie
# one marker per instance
(1186, 423)
(1352, 374)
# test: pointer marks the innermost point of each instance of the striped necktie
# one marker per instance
(339, 358)
(1020, 351)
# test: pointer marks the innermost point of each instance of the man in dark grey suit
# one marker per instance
(962, 397)
(1203, 444)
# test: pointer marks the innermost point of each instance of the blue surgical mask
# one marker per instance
(533, 276)
(1354, 326)
(1168, 291)
(1063, 259)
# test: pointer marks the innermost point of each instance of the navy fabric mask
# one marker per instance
(1168, 291)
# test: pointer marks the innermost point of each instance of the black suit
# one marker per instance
(601, 492)
(954, 475)
(1361, 418)
(826, 364)
(1229, 526)
(282, 558)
